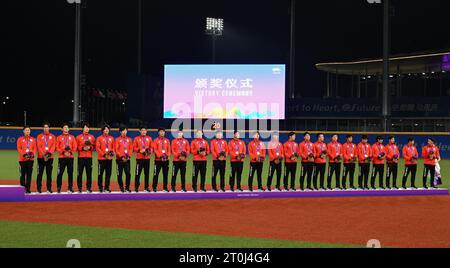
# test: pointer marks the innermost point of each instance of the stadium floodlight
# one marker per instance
(214, 26)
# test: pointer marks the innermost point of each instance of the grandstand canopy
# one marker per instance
(399, 64)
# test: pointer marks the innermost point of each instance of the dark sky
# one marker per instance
(38, 57)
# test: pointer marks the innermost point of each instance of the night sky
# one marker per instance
(38, 37)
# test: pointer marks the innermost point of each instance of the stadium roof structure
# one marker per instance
(437, 61)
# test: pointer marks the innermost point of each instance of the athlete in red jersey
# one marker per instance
(431, 156)
(143, 147)
(237, 151)
(86, 145)
(46, 143)
(306, 150)
(392, 157)
(364, 158)
(378, 158)
(105, 153)
(350, 152)
(257, 152)
(124, 151)
(411, 155)
(200, 150)
(26, 147)
(320, 160)
(180, 151)
(161, 147)
(291, 156)
(276, 155)
(335, 161)
(66, 145)
(219, 150)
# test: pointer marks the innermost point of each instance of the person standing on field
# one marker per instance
(86, 146)
(306, 151)
(46, 143)
(142, 145)
(161, 147)
(66, 145)
(291, 156)
(124, 151)
(276, 155)
(350, 152)
(200, 151)
(335, 161)
(364, 159)
(26, 147)
(180, 152)
(378, 158)
(392, 157)
(237, 151)
(105, 153)
(219, 150)
(257, 152)
(411, 155)
(320, 161)
(431, 156)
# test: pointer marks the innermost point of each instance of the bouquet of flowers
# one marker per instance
(381, 155)
(338, 159)
(164, 158)
(311, 156)
(202, 151)
(294, 157)
(222, 156)
(109, 155)
(241, 157)
(47, 156)
(396, 158)
(126, 158)
(87, 145)
(432, 155)
(183, 156)
(324, 154)
(29, 155)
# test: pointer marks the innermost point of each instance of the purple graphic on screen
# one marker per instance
(224, 91)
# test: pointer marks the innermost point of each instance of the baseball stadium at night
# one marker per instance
(225, 124)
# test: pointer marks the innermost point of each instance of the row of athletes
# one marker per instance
(313, 156)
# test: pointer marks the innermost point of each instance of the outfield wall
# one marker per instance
(9, 136)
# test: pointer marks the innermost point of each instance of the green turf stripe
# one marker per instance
(40, 235)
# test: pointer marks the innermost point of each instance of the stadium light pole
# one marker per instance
(77, 62)
(292, 53)
(214, 28)
(386, 54)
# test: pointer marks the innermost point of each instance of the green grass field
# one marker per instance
(21, 234)
(9, 170)
(36, 235)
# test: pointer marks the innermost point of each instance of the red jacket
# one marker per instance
(195, 149)
(319, 148)
(426, 153)
(161, 146)
(142, 143)
(306, 148)
(334, 150)
(46, 143)
(350, 152)
(236, 147)
(410, 152)
(364, 153)
(257, 151)
(218, 146)
(81, 141)
(63, 141)
(392, 152)
(179, 146)
(104, 145)
(123, 147)
(290, 148)
(26, 145)
(275, 150)
(377, 151)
